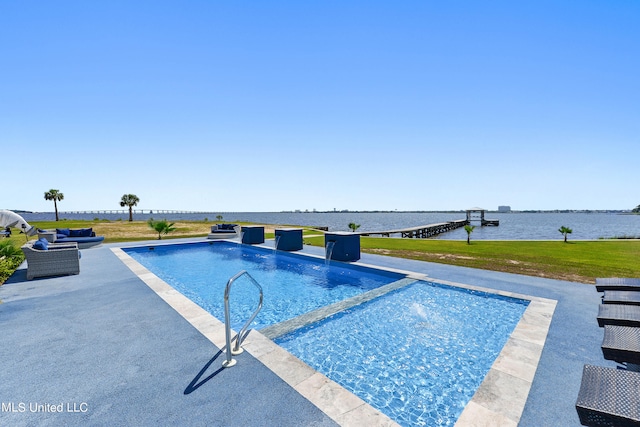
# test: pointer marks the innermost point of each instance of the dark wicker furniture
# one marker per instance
(621, 297)
(609, 397)
(618, 314)
(617, 284)
(621, 344)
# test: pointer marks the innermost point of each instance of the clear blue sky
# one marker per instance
(283, 105)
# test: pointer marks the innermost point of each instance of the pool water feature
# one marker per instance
(423, 373)
(293, 284)
(328, 251)
(417, 354)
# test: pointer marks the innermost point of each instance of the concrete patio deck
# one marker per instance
(104, 349)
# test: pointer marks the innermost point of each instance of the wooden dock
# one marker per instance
(420, 232)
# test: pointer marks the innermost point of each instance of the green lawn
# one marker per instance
(578, 261)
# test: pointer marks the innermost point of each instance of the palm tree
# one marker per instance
(469, 229)
(56, 196)
(565, 230)
(130, 200)
(353, 226)
(636, 209)
(162, 227)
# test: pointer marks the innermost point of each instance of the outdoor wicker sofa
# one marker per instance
(84, 237)
(609, 397)
(56, 260)
(224, 231)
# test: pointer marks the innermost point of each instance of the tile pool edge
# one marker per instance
(499, 400)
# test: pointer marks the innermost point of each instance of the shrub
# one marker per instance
(9, 251)
(10, 258)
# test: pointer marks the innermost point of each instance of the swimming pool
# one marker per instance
(292, 284)
(423, 350)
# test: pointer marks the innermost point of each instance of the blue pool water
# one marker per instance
(418, 354)
(292, 284)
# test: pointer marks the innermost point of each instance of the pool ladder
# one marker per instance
(240, 336)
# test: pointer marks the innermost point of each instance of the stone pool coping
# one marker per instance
(499, 401)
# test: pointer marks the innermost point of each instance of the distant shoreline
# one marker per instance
(159, 211)
(514, 225)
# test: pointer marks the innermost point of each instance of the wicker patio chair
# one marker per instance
(55, 261)
(617, 284)
(609, 397)
(621, 344)
(618, 314)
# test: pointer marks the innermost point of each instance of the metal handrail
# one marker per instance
(240, 336)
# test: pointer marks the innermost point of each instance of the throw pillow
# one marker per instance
(41, 244)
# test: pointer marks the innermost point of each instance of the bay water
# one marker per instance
(513, 225)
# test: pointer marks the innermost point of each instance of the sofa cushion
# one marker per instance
(41, 244)
(64, 231)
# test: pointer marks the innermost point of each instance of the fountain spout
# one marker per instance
(328, 251)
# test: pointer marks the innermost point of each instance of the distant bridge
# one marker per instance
(135, 211)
